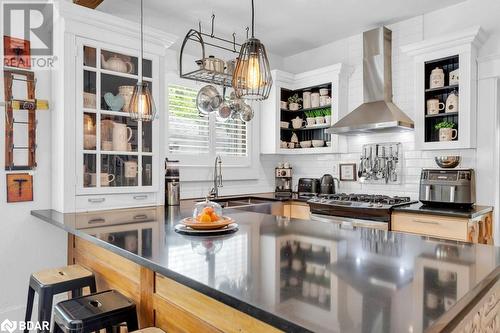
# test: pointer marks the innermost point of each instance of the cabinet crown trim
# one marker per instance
(474, 36)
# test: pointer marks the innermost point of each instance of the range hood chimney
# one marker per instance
(378, 113)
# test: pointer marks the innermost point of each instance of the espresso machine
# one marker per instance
(172, 184)
(283, 180)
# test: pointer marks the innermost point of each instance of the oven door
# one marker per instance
(350, 223)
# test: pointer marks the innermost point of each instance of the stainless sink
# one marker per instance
(251, 204)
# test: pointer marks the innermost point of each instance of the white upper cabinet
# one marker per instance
(446, 67)
(102, 158)
(300, 128)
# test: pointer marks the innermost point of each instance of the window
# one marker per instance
(193, 134)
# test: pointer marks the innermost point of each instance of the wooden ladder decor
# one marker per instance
(30, 105)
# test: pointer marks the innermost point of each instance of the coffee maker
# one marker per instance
(172, 184)
(283, 180)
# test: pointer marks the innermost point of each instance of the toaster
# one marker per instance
(442, 187)
(308, 185)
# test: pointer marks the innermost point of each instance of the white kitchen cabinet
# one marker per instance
(450, 52)
(333, 78)
(93, 169)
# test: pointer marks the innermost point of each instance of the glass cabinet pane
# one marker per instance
(147, 68)
(120, 170)
(147, 137)
(89, 90)
(89, 54)
(89, 131)
(116, 92)
(118, 133)
(89, 170)
(117, 62)
(147, 170)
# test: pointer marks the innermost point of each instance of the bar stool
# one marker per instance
(149, 330)
(50, 282)
(94, 312)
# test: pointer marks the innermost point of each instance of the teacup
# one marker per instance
(311, 121)
(106, 178)
(294, 106)
(291, 145)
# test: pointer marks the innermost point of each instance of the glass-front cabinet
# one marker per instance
(117, 154)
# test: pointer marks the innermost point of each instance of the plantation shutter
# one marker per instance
(231, 138)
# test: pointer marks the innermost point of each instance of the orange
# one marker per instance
(214, 217)
(205, 218)
(208, 210)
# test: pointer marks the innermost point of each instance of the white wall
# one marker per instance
(349, 51)
(26, 243)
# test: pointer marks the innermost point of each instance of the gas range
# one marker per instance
(357, 208)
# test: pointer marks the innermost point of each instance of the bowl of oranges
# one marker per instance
(207, 215)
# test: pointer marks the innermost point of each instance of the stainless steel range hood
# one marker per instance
(378, 113)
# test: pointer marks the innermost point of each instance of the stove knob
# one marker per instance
(379, 204)
(370, 205)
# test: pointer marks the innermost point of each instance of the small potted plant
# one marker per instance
(293, 102)
(328, 115)
(446, 129)
(320, 119)
(310, 118)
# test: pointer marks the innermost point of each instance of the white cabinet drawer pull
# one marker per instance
(97, 220)
(425, 221)
(140, 217)
(140, 197)
(97, 200)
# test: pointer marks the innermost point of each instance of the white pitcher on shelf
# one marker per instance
(121, 136)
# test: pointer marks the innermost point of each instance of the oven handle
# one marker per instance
(350, 223)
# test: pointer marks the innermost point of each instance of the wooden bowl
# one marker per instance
(194, 224)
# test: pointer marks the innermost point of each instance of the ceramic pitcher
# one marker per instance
(121, 136)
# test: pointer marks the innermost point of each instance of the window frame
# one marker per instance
(194, 168)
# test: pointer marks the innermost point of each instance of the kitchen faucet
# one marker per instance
(214, 192)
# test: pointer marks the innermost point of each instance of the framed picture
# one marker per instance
(19, 187)
(348, 172)
(17, 52)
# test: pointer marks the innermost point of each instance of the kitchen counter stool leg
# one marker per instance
(29, 306)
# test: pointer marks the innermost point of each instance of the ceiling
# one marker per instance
(286, 27)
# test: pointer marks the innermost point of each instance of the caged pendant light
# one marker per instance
(142, 106)
(252, 75)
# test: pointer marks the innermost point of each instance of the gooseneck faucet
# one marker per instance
(214, 192)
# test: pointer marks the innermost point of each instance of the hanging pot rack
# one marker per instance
(204, 74)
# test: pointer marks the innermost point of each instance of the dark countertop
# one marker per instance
(469, 213)
(359, 280)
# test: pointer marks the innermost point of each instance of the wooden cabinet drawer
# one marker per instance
(430, 225)
(86, 203)
(108, 218)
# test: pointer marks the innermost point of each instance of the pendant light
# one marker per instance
(252, 75)
(142, 106)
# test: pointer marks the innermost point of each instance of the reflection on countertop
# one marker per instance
(299, 274)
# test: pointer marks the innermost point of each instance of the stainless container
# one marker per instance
(172, 183)
(446, 187)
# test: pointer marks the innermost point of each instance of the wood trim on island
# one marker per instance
(160, 301)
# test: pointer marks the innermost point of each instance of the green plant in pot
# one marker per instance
(294, 102)
(319, 116)
(446, 129)
(327, 113)
(310, 118)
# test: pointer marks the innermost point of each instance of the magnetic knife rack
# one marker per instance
(30, 105)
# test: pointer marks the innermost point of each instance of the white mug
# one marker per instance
(311, 121)
(434, 106)
(121, 136)
(126, 92)
(433, 301)
(89, 141)
(446, 276)
(106, 178)
(324, 100)
(447, 134)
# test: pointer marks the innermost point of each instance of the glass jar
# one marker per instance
(207, 211)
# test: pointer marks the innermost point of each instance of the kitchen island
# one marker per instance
(284, 274)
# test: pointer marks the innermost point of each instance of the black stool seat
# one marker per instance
(50, 282)
(94, 312)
